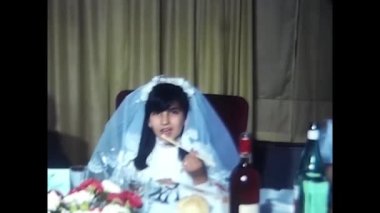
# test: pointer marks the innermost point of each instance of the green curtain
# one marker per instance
(276, 54)
(97, 48)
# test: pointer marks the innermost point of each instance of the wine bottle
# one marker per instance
(311, 187)
(244, 181)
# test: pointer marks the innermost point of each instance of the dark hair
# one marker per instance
(160, 99)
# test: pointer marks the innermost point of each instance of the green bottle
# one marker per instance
(311, 188)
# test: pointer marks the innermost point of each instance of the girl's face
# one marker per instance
(169, 122)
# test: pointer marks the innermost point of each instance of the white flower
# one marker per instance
(186, 86)
(69, 198)
(53, 201)
(190, 134)
(84, 196)
(110, 186)
(65, 211)
(96, 210)
(115, 208)
(79, 197)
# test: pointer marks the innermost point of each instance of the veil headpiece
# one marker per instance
(122, 132)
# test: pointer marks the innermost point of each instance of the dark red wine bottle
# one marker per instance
(245, 181)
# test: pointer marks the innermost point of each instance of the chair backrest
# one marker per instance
(233, 110)
(277, 162)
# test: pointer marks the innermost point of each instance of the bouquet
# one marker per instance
(94, 196)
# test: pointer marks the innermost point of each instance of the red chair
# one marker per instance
(233, 110)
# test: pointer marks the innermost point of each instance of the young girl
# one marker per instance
(168, 108)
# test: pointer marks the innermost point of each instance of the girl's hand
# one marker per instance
(191, 163)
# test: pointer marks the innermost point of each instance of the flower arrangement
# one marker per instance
(94, 196)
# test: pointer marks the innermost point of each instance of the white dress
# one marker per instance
(164, 163)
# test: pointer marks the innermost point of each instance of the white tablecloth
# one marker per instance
(271, 200)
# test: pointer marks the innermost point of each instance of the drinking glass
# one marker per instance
(78, 174)
(134, 183)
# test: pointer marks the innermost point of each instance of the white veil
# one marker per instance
(123, 131)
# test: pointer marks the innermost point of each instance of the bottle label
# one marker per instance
(316, 196)
(249, 208)
(245, 146)
(313, 174)
(313, 134)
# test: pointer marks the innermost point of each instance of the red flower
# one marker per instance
(125, 195)
(123, 198)
(115, 197)
(133, 199)
(90, 183)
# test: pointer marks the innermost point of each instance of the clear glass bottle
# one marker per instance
(244, 181)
